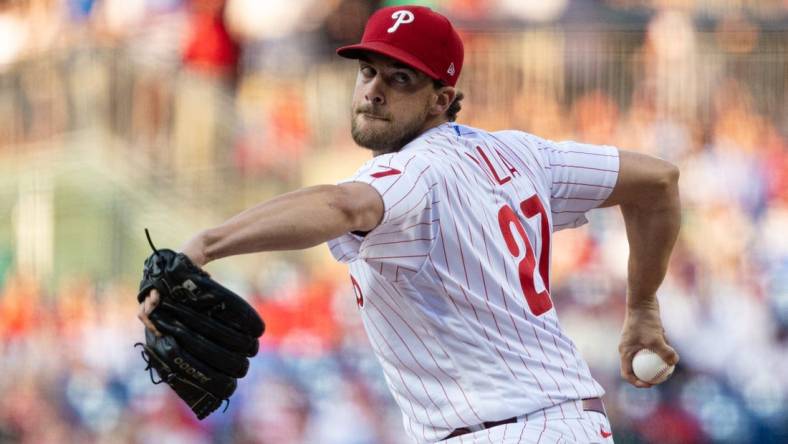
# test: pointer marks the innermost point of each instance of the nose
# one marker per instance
(374, 91)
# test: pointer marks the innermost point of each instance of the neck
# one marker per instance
(432, 123)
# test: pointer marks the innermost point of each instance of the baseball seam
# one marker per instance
(659, 374)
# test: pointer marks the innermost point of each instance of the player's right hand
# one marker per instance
(146, 308)
(643, 329)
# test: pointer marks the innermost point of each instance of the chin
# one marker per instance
(370, 127)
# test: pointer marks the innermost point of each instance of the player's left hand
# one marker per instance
(199, 335)
(193, 250)
(643, 329)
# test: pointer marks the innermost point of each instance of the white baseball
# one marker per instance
(649, 367)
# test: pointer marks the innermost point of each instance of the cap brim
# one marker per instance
(356, 51)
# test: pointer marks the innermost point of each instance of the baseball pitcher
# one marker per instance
(446, 232)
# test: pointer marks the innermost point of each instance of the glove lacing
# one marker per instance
(158, 262)
(149, 366)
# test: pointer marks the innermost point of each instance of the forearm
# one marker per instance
(652, 228)
(647, 191)
(295, 220)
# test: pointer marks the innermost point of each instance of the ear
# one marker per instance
(443, 98)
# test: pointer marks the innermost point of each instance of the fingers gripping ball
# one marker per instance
(649, 367)
(208, 332)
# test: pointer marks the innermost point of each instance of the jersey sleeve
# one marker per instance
(581, 176)
(401, 180)
(400, 243)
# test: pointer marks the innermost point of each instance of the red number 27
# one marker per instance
(539, 303)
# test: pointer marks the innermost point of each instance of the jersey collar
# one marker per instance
(434, 130)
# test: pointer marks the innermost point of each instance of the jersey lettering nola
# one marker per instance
(454, 285)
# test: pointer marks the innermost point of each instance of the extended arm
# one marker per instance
(647, 192)
(292, 221)
(296, 220)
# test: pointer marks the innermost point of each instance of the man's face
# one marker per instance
(391, 103)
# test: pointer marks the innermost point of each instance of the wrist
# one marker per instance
(196, 249)
(642, 301)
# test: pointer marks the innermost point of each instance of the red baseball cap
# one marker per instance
(416, 36)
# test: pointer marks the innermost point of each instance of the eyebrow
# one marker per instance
(397, 65)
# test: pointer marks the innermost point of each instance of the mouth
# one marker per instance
(373, 116)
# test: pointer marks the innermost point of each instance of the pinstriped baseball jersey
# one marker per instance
(453, 285)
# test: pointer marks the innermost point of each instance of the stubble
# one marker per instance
(388, 137)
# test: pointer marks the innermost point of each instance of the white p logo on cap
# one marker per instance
(401, 17)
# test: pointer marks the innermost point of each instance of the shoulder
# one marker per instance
(392, 171)
(513, 138)
(522, 139)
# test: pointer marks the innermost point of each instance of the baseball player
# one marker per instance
(446, 232)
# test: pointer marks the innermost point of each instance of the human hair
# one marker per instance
(456, 106)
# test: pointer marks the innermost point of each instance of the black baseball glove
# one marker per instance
(208, 332)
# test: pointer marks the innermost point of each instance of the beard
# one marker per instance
(386, 135)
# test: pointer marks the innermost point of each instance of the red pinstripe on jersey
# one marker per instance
(443, 307)
(437, 365)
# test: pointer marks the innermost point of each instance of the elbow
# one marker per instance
(665, 186)
(351, 209)
(644, 182)
(342, 202)
(669, 177)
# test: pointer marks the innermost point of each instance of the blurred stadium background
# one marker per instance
(175, 114)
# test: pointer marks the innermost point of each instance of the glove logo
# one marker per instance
(187, 290)
(189, 285)
(402, 17)
(191, 371)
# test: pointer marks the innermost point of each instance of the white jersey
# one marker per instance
(453, 285)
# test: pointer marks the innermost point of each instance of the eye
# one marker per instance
(367, 71)
(401, 78)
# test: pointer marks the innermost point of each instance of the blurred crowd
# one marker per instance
(241, 91)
